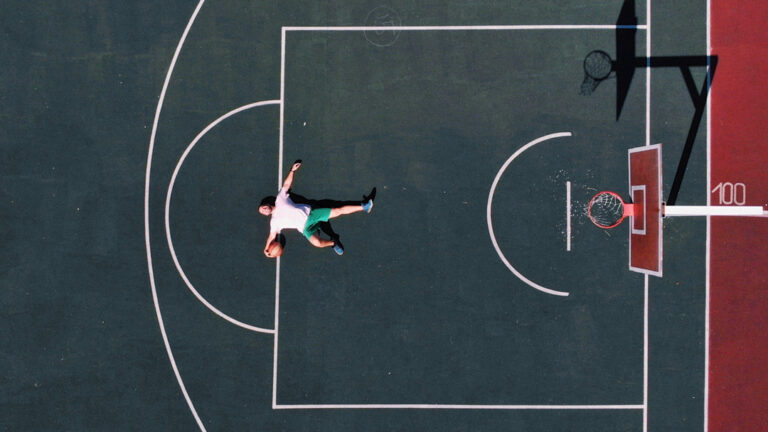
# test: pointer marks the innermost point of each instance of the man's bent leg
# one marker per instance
(320, 242)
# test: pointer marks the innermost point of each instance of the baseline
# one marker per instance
(459, 407)
(465, 28)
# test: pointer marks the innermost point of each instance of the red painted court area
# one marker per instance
(738, 383)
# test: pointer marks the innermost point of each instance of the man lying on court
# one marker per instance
(286, 214)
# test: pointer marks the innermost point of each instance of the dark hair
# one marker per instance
(268, 200)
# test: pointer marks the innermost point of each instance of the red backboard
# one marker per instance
(645, 187)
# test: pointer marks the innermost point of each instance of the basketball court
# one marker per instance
(478, 284)
(480, 293)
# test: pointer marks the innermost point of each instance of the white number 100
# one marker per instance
(731, 193)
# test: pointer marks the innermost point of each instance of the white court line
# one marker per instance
(282, 112)
(274, 349)
(661, 185)
(568, 216)
(458, 407)
(168, 215)
(648, 76)
(146, 217)
(645, 352)
(467, 28)
(489, 219)
(709, 220)
(279, 180)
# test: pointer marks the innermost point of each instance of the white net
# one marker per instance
(606, 209)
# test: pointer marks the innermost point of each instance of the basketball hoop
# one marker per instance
(607, 210)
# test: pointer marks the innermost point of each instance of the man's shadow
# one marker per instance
(327, 203)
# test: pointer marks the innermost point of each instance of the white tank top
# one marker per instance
(287, 214)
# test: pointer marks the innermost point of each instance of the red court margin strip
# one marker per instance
(738, 361)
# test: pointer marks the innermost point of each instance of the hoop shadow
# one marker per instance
(624, 68)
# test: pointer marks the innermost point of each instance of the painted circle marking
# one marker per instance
(382, 16)
(168, 217)
(489, 219)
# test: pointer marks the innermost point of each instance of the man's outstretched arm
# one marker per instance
(289, 178)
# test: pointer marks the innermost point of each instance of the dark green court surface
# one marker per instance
(476, 296)
(430, 121)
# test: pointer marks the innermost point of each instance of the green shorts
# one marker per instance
(314, 219)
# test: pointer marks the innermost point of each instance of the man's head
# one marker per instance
(267, 205)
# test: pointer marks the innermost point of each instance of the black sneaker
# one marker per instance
(368, 201)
